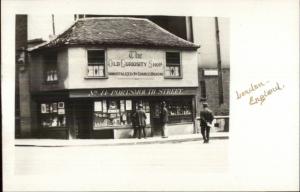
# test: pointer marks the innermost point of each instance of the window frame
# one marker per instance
(180, 76)
(203, 89)
(105, 63)
(47, 67)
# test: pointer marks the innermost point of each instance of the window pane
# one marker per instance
(203, 89)
(90, 71)
(96, 57)
(101, 70)
(173, 58)
(172, 71)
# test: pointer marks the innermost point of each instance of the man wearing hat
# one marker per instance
(164, 119)
(141, 121)
(206, 118)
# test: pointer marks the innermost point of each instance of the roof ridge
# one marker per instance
(106, 18)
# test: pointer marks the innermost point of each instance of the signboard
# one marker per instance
(128, 105)
(97, 106)
(210, 72)
(95, 93)
(134, 64)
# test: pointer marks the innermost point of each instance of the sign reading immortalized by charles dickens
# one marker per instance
(135, 64)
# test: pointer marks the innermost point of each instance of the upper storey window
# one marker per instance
(173, 65)
(50, 68)
(96, 63)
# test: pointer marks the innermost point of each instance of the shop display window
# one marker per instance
(53, 114)
(179, 111)
(118, 112)
(173, 65)
(112, 113)
(96, 63)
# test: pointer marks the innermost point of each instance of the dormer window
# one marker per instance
(50, 68)
(96, 63)
(173, 65)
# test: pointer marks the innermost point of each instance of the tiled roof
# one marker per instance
(118, 31)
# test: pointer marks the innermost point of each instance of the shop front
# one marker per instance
(107, 113)
(85, 88)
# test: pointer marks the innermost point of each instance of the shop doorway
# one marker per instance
(84, 118)
(152, 108)
(155, 120)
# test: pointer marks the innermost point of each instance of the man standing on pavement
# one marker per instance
(206, 118)
(141, 121)
(164, 116)
(133, 122)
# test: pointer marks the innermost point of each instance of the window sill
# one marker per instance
(91, 77)
(53, 128)
(116, 127)
(50, 82)
(169, 77)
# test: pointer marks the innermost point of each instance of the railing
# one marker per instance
(221, 123)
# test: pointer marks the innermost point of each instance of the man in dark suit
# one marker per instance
(141, 121)
(133, 122)
(206, 118)
(164, 116)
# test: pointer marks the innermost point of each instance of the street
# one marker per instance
(193, 156)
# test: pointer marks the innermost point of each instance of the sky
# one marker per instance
(41, 26)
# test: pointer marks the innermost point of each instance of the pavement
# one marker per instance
(112, 142)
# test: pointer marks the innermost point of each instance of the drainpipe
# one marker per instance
(189, 29)
(220, 81)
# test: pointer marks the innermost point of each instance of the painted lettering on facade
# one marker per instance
(135, 66)
(135, 92)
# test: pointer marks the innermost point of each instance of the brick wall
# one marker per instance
(212, 92)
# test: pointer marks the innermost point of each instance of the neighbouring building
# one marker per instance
(87, 81)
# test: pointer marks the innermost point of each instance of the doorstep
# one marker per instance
(113, 142)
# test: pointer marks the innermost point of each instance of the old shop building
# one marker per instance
(86, 82)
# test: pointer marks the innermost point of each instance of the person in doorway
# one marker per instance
(206, 118)
(164, 116)
(133, 122)
(141, 121)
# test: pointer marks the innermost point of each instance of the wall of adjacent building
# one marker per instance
(22, 90)
(204, 34)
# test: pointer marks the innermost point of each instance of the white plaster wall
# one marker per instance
(78, 68)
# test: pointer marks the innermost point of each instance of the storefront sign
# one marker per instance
(135, 65)
(132, 92)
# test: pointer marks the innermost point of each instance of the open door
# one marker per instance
(83, 115)
(155, 118)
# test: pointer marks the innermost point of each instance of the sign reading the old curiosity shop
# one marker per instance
(132, 92)
(134, 65)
